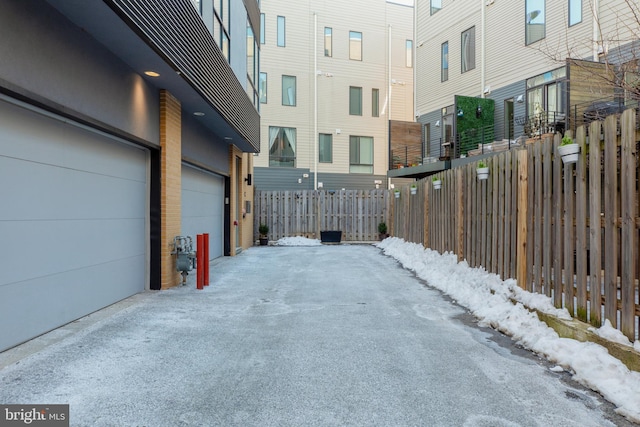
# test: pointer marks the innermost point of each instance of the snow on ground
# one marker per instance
(298, 241)
(491, 300)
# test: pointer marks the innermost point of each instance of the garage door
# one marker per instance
(203, 207)
(73, 215)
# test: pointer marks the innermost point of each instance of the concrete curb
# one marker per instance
(578, 330)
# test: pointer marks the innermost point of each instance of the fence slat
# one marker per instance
(610, 222)
(595, 227)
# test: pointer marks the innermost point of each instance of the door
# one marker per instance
(73, 221)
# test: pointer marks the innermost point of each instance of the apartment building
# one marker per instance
(123, 124)
(493, 70)
(332, 76)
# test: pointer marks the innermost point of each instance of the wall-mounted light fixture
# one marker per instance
(437, 123)
(478, 111)
(519, 99)
(248, 179)
(460, 112)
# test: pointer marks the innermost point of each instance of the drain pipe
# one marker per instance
(315, 101)
(482, 49)
(596, 31)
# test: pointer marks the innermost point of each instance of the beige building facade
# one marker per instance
(514, 55)
(332, 75)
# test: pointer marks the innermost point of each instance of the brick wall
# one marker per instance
(170, 184)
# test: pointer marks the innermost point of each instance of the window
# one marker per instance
(375, 102)
(282, 147)
(355, 45)
(289, 90)
(355, 101)
(436, 5)
(468, 54)
(535, 23)
(252, 66)
(281, 31)
(444, 62)
(221, 25)
(360, 154)
(328, 41)
(263, 88)
(325, 144)
(409, 53)
(575, 12)
(262, 28)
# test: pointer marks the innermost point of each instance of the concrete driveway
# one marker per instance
(294, 336)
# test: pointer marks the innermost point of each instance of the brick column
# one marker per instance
(170, 184)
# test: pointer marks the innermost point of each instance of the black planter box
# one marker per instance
(331, 236)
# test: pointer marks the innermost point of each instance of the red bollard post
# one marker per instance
(206, 259)
(199, 261)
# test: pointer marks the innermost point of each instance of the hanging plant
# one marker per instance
(414, 189)
(568, 150)
(437, 183)
(482, 170)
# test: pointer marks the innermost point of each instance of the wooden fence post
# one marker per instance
(460, 213)
(521, 246)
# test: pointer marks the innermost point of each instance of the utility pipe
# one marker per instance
(315, 101)
(482, 49)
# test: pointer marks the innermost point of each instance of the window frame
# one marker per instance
(353, 57)
(352, 90)
(375, 102)
(281, 31)
(435, 8)
(327, 140)
(330, 42)
(470, 65)
(275, 159)
(408, 45)
(356, 163)
(571, 10)
(444, 61)
(287, 95)
(527, 39)
(263, 19)
(262, 88)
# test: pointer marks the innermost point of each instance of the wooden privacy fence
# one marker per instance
(567, 231)
(356, 213)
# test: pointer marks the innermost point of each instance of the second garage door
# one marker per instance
(203, 207)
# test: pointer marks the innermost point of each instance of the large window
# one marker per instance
(360, 154)
(355, 45)
(409, 53)
(355, 101)
(444, 62)
(436, 5)
(535, 21)
(325, 145)
(252, 65)
(282, 31)
(375, 102)
(263, 88)
(221, 29)
(328, 41)
(262, 28)
(468, 54)
(289, 90)
(282, 147)
(575, 12)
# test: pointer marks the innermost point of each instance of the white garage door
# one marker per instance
(73, 215)
(203, 207)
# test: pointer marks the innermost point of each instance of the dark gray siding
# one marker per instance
(434, 144)
(272, 179)
(199, 149)
(40, 46)
(499, 96)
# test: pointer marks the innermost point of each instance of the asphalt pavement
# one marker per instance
(335, 335)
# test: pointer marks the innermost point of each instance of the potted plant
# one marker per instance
(437, 183)
(569, 150)
(382, 231)
(414, 189)
(482, 170)
(263, 229)
(396, 193)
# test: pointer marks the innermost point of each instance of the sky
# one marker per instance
(490, 298)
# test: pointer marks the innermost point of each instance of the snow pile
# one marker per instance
(607, 331)
(501, 305)
(298, 241)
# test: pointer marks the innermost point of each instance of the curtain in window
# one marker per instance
(468, 59)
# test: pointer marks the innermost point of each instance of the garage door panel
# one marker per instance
(73, 219)
(38, 191)
(42, 248)
(58, 143)
(203, 208)
(43, 304)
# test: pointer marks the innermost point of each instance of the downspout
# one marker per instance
(415, 58)
(596, 32)
(482, 50)
(389, 101)
(315, 101)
